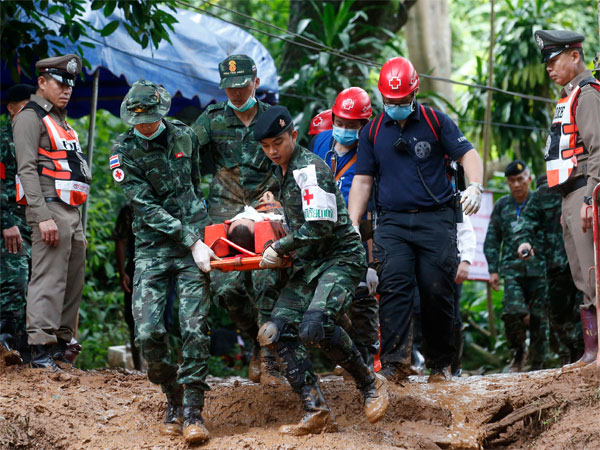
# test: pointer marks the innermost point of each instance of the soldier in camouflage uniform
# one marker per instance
(542, 218)
(524, 283)
(15, 242)
(329, 262)
(225, 131)
(157, 162)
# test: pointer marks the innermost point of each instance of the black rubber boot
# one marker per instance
(41, 357)
(318, 417)
(8, 329)
(456, 365)
(194, 431)
(58, 351)
(171, 426)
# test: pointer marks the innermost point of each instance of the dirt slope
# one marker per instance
(550, 409)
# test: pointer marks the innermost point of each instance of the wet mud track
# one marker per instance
(551, 409)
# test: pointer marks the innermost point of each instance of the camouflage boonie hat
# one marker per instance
(236, 71)
(145, 102)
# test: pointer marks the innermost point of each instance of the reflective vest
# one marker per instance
(71, 173)
(561, 147)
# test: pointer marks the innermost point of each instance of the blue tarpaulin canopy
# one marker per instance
(187, 67)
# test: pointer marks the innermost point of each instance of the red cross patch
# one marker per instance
(307, 197)
(118, 175)
(395, 82)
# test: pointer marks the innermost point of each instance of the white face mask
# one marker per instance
(159, 130)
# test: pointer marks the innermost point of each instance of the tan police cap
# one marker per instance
(63, 69)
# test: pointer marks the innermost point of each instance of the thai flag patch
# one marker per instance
(114, 161)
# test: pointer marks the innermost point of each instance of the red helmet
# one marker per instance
(353, 103)
(397, 78)
(321, 122)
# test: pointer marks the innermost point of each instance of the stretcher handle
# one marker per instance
(234, 245)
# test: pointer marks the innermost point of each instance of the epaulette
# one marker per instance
(215, 107)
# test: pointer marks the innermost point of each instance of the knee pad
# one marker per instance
(332, 348)
(270, 332)
(312, 329)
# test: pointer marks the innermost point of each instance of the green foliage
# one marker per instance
(517, 68)
(34, 38)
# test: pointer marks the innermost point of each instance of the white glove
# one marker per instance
(471, 199)
(270, 258)
(357, 229)
(202, 255)
(372, 280)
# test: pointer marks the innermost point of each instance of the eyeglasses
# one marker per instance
(404, 105)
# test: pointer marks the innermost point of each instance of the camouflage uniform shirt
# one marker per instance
(163, 186)
(243, 171)
(12, 213)
(321, 232)
(542, 218)
(500, 246)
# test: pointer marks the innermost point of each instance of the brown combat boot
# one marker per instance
(518, 362)
(254, 365)
(194, 431)
(270, 375)
(318, 417)
(171, 426)
(589, 325)
(376, 399)
(10, 355)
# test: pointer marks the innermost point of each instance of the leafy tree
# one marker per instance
(32, 29)
(517, 68)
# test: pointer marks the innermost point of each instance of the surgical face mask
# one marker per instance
(399, 112)
(159, 130)
(345, 136)
(247, 104)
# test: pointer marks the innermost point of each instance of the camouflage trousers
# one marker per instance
(526, 296)
(14, 276)
(330, 293)
(248, 296)
(150, 285)
(566, 337)
(364, 323)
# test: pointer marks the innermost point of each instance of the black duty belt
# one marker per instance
(571, 185)
(52, 199)
(421, 209)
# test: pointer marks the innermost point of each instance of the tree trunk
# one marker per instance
(429, 44)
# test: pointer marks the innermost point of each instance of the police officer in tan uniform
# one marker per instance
(573, 163)
(53, 180)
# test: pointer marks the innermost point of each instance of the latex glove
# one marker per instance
(357, 229)
(372, 280)
(471, 199)
(271, 257)
(202, 254)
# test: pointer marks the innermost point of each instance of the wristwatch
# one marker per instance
(587, 200)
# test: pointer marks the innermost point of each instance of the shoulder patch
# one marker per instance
(317, 204)
(118, 175)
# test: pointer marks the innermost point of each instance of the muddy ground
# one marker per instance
(551, 409)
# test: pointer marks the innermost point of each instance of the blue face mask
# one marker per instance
(345, 136)
(398, 112)
(247, 104)
(159, 130)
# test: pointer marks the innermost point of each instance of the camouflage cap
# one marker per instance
(236, 71)
(145, 102)
(63, 69)
(553, 42)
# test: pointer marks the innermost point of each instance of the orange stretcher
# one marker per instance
(215, 236)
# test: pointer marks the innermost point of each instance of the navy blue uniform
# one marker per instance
(416, 235)
(322, 145)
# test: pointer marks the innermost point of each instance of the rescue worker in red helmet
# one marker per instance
(321, 122)
(337, 147)
(404, 149)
